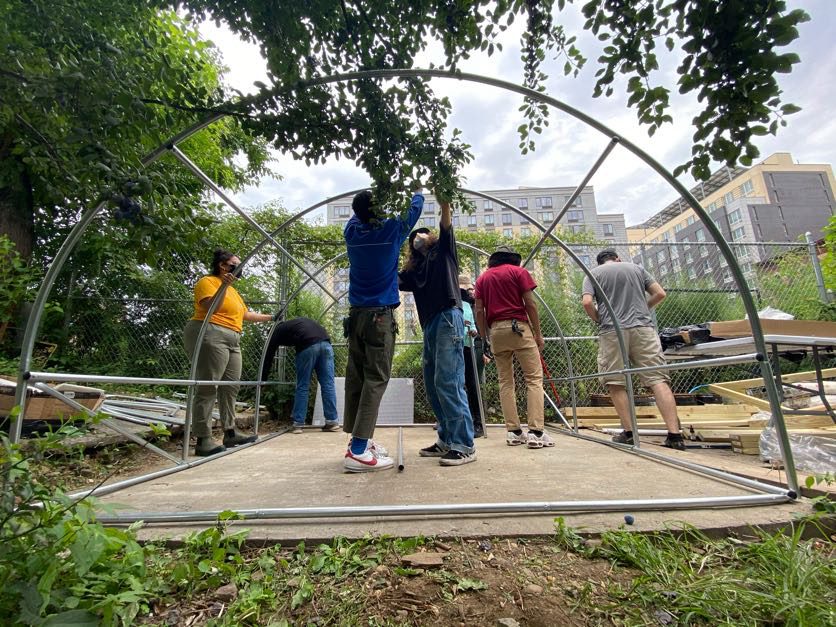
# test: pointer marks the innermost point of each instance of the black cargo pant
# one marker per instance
(371, 347)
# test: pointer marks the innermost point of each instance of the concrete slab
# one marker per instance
(306, 471)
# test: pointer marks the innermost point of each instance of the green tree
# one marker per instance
(397, 130)
(80, 82)
(829, 261)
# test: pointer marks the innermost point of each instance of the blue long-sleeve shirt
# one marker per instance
(373, 252)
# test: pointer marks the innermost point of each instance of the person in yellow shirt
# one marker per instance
(219, 358)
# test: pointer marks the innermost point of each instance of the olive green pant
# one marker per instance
(219, 360)
(371, 347)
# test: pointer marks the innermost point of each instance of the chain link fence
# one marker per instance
(132, 325)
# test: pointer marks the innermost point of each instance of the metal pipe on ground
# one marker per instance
(543, 507)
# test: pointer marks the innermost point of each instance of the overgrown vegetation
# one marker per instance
(58, 565)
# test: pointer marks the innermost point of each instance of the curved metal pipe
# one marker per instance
(746, 296)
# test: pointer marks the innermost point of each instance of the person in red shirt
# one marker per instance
(507, 317)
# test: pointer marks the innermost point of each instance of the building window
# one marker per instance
(584, 259)
(522, 203)
(543, 201)
(546, 216)
(578, 202)
(676, 266)
(663, 269)
(506, 219)
(608, 230)
(508, 232)
(747, 188)
(735, 217)
(686, 239)
(341, 212)
(489, 220)
(487, 205)
(699, 235)
(692, 274)
(738, 233)
(712, 206)
(525, 231)
(703, 251)
(455, 220)
(660, 256)
(728, 197)
(429, 206)
(727, 277)
(577, 228)
(430, 222)
(574, 216)
(677, 228)
(691, 220)
(666, 236)
(471, 220)
(674, 252)
(689, 256)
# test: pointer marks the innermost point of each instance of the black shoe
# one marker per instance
(479, 432)
(237, 439)
(207, 446)
(676, 443)
(331, 427)
(623, 438)
(432, 451)
(456, 458)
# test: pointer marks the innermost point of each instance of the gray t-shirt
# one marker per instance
(625, 284)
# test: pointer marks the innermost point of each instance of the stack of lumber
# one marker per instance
(738, 424)
(746, 443)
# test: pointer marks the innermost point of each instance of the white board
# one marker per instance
(397, 406)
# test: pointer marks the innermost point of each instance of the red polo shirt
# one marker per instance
(500, 289)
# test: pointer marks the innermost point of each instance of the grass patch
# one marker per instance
(687, 578)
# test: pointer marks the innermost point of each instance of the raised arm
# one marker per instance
(446, 215)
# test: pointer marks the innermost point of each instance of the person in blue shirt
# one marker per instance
(374, 245)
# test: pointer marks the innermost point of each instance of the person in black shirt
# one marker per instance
(313, 353)
(432, 275)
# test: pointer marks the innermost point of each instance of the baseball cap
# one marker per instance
(412, 235)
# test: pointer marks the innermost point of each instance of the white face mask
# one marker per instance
(419, 244)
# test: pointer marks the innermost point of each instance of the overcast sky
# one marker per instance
(567, 149)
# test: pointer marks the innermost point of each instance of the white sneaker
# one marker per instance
(512, 439)
(544, 440)
(369, 461)
(377, 449)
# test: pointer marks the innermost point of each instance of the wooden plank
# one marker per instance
(795, 377)
(723, 435)
(695, 410)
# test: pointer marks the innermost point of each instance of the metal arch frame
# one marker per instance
(304, 284)
(771, 494)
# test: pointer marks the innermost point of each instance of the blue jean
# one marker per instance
(444, 380)
(318, 357)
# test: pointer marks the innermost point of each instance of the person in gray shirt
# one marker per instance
(632, 292)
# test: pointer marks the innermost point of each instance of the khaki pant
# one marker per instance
(219, 360)
(371, 347)
(505, 345)
(643, 349)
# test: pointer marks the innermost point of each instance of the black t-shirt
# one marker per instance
(435, 279)
(299, 333)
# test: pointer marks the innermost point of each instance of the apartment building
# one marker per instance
(776, 200)
(536, 203)
(540, 203)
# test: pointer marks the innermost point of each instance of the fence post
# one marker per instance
(811, 248)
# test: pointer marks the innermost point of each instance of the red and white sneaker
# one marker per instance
(369, 461)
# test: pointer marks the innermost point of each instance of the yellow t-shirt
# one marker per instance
(229, 314)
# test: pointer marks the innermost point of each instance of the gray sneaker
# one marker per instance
(330, 427)
(622, 438)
